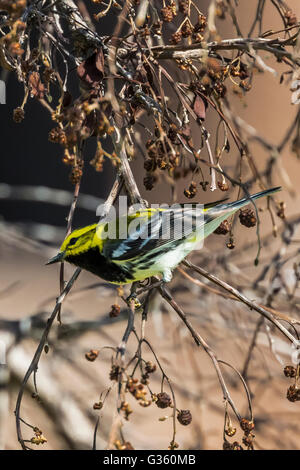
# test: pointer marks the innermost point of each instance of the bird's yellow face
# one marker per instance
(77, 243)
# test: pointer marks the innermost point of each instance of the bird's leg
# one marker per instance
(133, 296)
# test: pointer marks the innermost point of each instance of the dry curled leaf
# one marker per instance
(37, 89)
(91, 71)
(199, 107)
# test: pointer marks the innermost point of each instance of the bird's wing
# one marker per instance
(150, 230)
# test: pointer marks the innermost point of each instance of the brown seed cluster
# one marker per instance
(18, 115)
(191, 191)
(38, 437)
(290, 371)
(247, 217)
(184, 417)
(291, 18)
(247, 440)
(115, 311)
(223, 228)
(138, 391)
(150, 368)
(187, 29)
(115, 372)
(162, 400)
(293, 393)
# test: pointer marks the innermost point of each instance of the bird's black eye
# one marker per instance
(72, 241)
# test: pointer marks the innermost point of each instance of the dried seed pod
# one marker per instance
(114, 373)
(18, 115)
(187, 30)
(247, 217)
(290, 17)
(150, 367)
(220, 89)
(290, 371)
(176, 37)
(293, 393)
(246, 425)
(115, 311)
(57, 136)
(167, 14)
(92, 355)
(230, 431)
(223, 186)
(163, 400)
(230, 245)
(76, 174)
(183, 6)
(98, 406)
(184, 417)
(223, 228)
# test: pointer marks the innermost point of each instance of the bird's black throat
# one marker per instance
(93, 261)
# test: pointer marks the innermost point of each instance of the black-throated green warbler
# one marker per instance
(151, 249)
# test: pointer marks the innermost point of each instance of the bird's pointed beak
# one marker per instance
(56, 258)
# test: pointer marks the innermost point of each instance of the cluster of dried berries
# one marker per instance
(293, 392)
(12, 39)
(248, 438)
(247, 426)
(160, 155)
(247, 217)
(114, 372)
(212, 76)
(291, 18)
(38, 437)
(188, 30)
(13, 7)
(290, 371)
(127, 410)
(138, 391)
(18, 115)
(230, 431)
(77, 122)
(281, 210)
(115, 311)
(191, 191)
(169, 12)
(149, 369)
(223, 228)
(92, 355)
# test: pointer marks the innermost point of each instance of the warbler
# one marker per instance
(152, 247)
